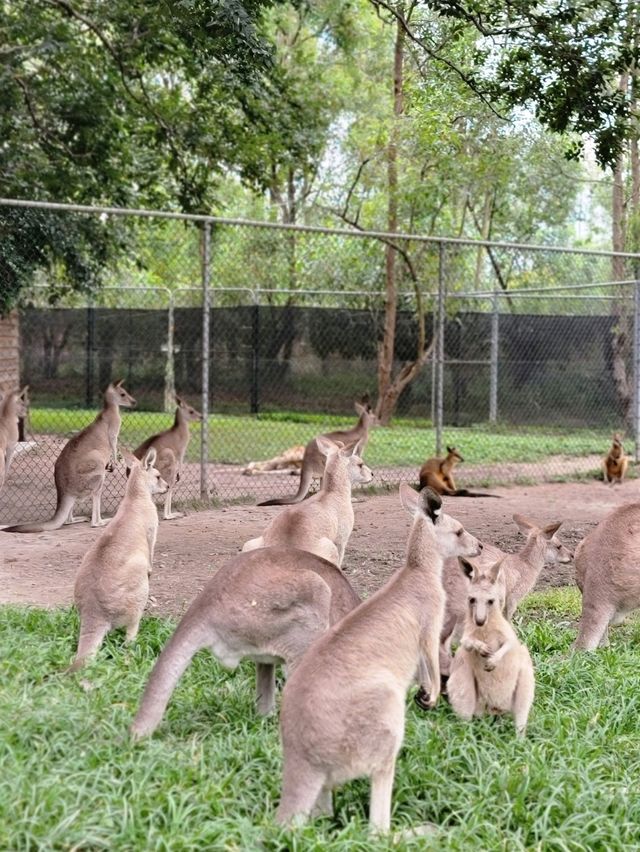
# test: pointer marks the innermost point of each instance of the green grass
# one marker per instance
(236, 439)
(209, 778)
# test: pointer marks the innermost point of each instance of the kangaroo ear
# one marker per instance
(468, 568)
(179, 402)
(409, 498)
(431, 503)
(24, 392)
(493, 573)
(326, 446)
(360, 409)
(451, 449)
(551, 529)
(118, 383)
(150, 459)
(524, 524)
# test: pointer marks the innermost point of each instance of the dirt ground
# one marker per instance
(39, 569)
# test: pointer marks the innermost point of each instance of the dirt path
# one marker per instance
(40, 569)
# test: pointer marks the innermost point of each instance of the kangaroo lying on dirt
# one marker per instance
(492, 670)
(268, 606)
(313, 461)
(323, 523)
(112, 586)
(80, 467)
(608, 575)
(290, 462)
(615, 463)
(171, 446)
(13, 406)
(520, 572)
(342, 713)
(437, 473)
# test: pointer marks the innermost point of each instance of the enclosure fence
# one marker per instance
(273, 332)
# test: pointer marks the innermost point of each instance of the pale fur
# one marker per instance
(171, 445)
(343, 708)
(492, 670)
(313, 461)
(13, 406)
(520, 572)
(80, 468)
(323, 523)
(288, 462)
(608, 575)
(615, 463)
(267, 606)
(112, 584)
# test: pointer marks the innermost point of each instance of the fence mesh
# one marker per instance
(534, 363)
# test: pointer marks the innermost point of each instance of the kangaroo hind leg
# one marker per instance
(302, 786)
(92, 634)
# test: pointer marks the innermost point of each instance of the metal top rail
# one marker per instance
(313, 229)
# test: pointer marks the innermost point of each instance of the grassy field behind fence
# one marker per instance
(210, 777)
(237, 440)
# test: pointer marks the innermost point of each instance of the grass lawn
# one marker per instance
(210, 777)
(236, 439)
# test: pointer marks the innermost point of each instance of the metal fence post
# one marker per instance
(206, 320)
(636, 360)
(440, 349)
(495, 339)
(91, 345)
(255, 357)
(169, 367)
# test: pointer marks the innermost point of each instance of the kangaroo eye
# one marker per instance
(490, 601)
(472, 600)
(459, 533)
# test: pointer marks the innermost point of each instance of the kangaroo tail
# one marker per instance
(305, 484)
(169, 668)
(65, 504)
(462, 492)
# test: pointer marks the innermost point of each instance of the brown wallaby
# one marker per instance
(437, 473)
(112, 586)
(520, 572)
(608, 575)
(171, 446)
(342, 713)
(614, 465)
(289, 462)
(492, 670)
(13, 406)
(268, 606)
(80, 468)
(313, 460)
(322, 524)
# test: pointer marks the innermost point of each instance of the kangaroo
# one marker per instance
(290, 462)
(268, 606)
(492, 670)
(313, 461)
(112, 586)
(614, 465)
(80, 467)
(342, 712)
(520, 572)
(608, 575)
(437, 473)
(322, 524)
(13, 406)
(171, 446)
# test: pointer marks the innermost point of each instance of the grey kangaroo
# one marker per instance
(13, 406)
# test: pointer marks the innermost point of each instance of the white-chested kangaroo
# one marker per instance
(343, 708)
(323, 523)
(492, 670)
(112, 585)
(13, 406)
(313, 461)
(80, 468)
(171, 446)
(268, 606)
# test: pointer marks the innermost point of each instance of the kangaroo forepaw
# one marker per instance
(425, 700)
(109, 467)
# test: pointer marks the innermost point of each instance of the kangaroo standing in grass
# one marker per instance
(615, 463)
(80, 468)
(492, 670)
(268, 605)
(343, 708)
(13, 406)
(437, 473)
(171, 446)
(313, 461)
(608, 575)
(112, 586)
(322, 524)
(520, 572)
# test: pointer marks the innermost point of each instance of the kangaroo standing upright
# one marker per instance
(171, 446)
(322, 524)
(615, 463)
(343, 708)
(492, 670)
(13, 406)
(313, 461)
(112, 585)
(80, 468)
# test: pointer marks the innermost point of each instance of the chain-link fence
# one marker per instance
(274, 332)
